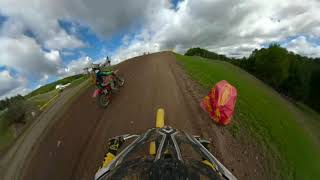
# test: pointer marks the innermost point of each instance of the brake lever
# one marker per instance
(125, 136)
(197, 137)
(131, 136)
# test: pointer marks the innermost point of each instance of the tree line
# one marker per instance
(13, 109)
(206, 54)
(292, 75)
(4, 104)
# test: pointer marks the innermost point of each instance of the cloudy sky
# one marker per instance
(43, 40)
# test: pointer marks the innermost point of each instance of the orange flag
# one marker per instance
(220, 102)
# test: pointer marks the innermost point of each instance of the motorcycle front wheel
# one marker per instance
(120, 81)
(103, 100)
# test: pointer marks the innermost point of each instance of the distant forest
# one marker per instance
(293, 75)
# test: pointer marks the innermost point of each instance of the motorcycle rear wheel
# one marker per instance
(103, 100)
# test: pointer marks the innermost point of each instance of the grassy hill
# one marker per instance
(272, 121)
(51, 86)
(43, 94)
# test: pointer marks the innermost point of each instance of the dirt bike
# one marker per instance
(103, 95)
(162, 153)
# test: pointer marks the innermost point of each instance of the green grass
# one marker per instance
(41, 99)
(78, 81)
(51, 86)
(5, 136)
(269, 119)
(313, 121)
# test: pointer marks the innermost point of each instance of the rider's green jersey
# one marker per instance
(99, 77)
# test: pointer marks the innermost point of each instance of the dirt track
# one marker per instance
(75, 145)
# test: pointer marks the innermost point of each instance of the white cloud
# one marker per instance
(12, 28)
(302, 46)
(24, 55)
(53, 56)
(103, 17)
(76, 66)
(40, 20)
(230, 27)
(44, 79)
(68, 53)
(62, 40)
(7, 82)
(214, 24)
(140, 44)
(11, 85)
(239, 50)
(47, 31)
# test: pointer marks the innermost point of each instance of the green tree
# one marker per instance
(16, 111)
(297, 83)
(272, 65)
(206, 54)
(314, 95)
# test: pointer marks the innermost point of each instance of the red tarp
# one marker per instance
(220, 102)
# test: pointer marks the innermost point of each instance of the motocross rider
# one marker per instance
(100, 75)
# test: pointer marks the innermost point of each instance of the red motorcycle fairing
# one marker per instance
(96, 93)
(107, 79)
(107, 86)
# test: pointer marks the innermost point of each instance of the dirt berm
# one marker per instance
(74, 147)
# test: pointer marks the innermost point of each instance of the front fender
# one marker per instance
(96, 93)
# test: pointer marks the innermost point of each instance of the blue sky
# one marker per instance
(2, 19)
(175, 3)
(54, 39)
(96, 47)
